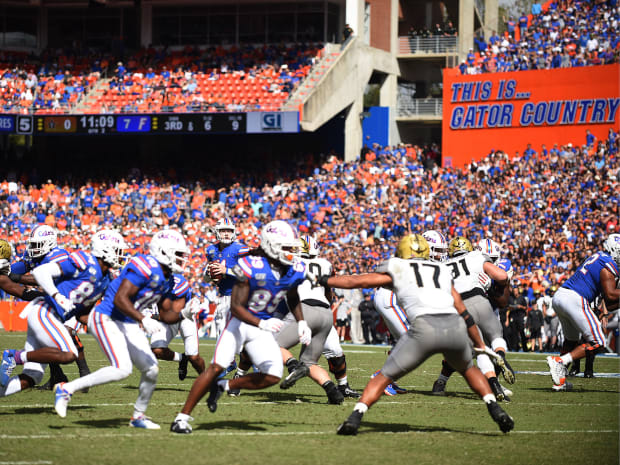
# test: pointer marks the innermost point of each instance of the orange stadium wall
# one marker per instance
(506, 111)
(9, 316)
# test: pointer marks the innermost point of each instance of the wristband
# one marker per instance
(469, 321)
(322, 281)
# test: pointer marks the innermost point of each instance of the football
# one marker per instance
(213, 271)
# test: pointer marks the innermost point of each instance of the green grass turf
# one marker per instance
(298, 427)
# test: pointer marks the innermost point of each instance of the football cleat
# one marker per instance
(351, 424)
(334, 396)
(346, 391)
(506, 370)
(300, 372)
(497, 390)
(574, 368)
(507, 391)
(143, 422)
(503, 420)
(557, 369)
(398, 389)
(439, 388)
(214, 395)
(183, 367)
(181, 426)
(62, 398)
(7, 366)
(389, 390)
(235, 392)
(565, 386)
(588, 374)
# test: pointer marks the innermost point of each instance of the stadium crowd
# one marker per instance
(154, 79)
(566, 34)
(548, 207)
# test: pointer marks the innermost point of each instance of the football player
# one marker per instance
(466, 265)
(597, 275)
(117, 323)
(41, 248)
(175, 322)
(72, 286)
(440, 323)
(221, 259)
(438, 245)
(263, 280)
(6, 284)
(315, 303)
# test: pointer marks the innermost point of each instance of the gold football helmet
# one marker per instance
(459, 245)
(413, 246)
(5, 250)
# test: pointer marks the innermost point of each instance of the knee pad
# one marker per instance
(499, 343)
(338, 365)
(152, 372)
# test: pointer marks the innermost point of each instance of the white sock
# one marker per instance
(182, 417)
(137, 414)
(13, 386)
(361, 407)
(489, 398)
(177, 357)
(343, 381)
(240, 372)
(566, 358)
(23, 357)
(224, 384)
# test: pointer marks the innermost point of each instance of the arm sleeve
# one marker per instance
(45, 274)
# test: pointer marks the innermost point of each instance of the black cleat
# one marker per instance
(181, 427)
(183, 367)
(498, 391)
(334, 396)
(439, 388)
(503, 420)
(235, 392)
(300, 372)
(574, 369)
(351, 424)
(214, 395)
(588, 374)
(346, 391)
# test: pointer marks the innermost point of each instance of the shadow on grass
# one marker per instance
(285, 396)
(222, 426)
(37, 410)
(455, 394)
(373, 427)
(104, 423)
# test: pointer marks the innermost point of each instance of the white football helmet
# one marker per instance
(109, 246)
(438, 245)
(169, 249)
(491, 248)
(309, 247)
(225, 231)
(612, 247)
(279, 241)
(41, 241)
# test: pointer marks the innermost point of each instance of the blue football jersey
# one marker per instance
(26, 264)
(586, 281)
(267, 286)
(230, 255)
(82, 281)
(144, 272)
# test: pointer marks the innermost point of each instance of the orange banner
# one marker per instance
(9, 316)
(506, 111)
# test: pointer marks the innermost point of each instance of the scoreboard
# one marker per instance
(161, 123)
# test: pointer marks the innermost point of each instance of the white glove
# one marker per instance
(485, 281)
(510, 272)
(5, 267)
(304, 331)
(272, 324)
(64, 302)
(150, 325)
(190, 309)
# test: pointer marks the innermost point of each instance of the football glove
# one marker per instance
(485, 281)
(64, 302)
(304, 332)
(272, 324)
(5, 266)
(190, 309)
(150, 325)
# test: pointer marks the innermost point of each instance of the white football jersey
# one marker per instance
(319, 267)
(465, 270)
(422, 287)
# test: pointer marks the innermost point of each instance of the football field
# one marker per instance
(297, 426)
